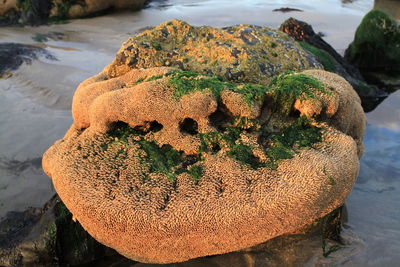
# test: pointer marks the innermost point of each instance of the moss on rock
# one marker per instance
(329, 63)
(376, 44)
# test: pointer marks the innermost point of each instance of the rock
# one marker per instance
(166, 165)
(302, 32)
(294, 249)
(376, 48)
(47, 237)
(243, 53)
(287, 9)
(36, 12)
(12, 55)
(376, 44)
(31, 12)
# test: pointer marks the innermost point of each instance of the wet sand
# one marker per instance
(35, 107)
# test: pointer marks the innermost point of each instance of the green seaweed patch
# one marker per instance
(153, 78)
(161, 159)
(186, 82)
(297, 135)
(322, 56)
(138, 81)
(289, 86)
(196, 172)
(213, 142)
(280, 146)
(376, 43)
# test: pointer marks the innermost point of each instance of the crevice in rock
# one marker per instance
(189, 126)
(221, 117)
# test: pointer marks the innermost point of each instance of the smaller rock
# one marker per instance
(376, 44)
(47, 236)
(332, 61)
(376, 50)
(12, 55)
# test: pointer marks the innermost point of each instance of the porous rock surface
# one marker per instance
(242, 53)
(148, 213)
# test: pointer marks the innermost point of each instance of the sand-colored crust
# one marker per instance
(147, 217)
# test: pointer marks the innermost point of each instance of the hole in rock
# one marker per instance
(189, 126)
(120, 127)
(294, 113)
(155, 126)
(221, 117)
(149, 126)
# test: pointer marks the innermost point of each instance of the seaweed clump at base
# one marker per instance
(158, 155)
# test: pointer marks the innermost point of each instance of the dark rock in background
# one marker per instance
(376, 50)
(12, 55)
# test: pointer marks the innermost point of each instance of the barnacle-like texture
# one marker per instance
(165, 165)
(242, 53)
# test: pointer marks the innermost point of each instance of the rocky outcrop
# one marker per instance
(376, 50)
(36, 12)
(243, 53)
(376, 43)
(12, 55)
(302, 32)
(47, 237)
(165, 165)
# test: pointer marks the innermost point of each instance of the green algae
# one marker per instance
(25, 5)
(322, 56)
(299, 134)
(284, 89)
(153, 78)
(213, 142)
(281, 145)
(160, 159)
(376, 43)
(186, 82)
(196, 172)
(288, 87)
(72, 243)
(40, 38)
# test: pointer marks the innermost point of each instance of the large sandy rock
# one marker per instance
(165, 165)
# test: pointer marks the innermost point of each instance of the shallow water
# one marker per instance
(35, 106)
